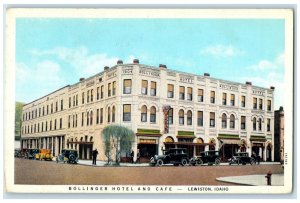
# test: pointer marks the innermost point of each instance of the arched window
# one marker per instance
(87, 118)
(181, 117)
(113, 119)
(91, 118)
(232, 121)
(153, 114)
(189, 117)
(254, 124)
(144, 113)
(259, 123)
(170, 116)
(108, 114)
(224, 121)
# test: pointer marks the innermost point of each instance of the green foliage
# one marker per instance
(148, 131)
(18, 118)
(116, 139)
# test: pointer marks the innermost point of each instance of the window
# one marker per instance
(42, 127)
(189, 93)
(61, 105)
(127, 112)
(113, 114)
(39, 113)
(224, 99)
(181, 117)
(212, 97)
(102, 92)
(97, 117)
(76, 120)
(243, 122)
(212, 119)
(82, 98)
(224, 121)
(170, 91)
(88, 96)
(260, 104)
(200, 118)
(232, 100)
(82, 118)
(243, 103)
(52, 108)
(76, 99)
(153, 89)
(268, 125)
(55, 124)
(200, 95)
(38, 130)
(43, 113)
(46, 125)
(254, 103)
(108, 114)
(181, 92)
(50, 125)
(127, 86)
(87, 118)
(170, 117)
(232, 121)
(269, 105)
(144, 87)
(254, 124)
(189, 116)
(92, 94)
(152, 114)
(101, 115)
(91, 118)
(114, 88)
(259, 124)
(98, 93)
(73, 123)
(109, 90)
(60, 123)
(144, 113)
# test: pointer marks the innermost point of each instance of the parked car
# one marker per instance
(68, 155)
(32, 154)
(176, 156)
(241, 158)
(17, 153)
(209, 157)
(45, 154)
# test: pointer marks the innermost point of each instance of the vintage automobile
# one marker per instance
(175, 156)
(45, 154)
(68, 155)
(209, 157)
(32, 154)
(17, 153)
(241, 158)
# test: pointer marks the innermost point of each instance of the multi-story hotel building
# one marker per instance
(165, 108)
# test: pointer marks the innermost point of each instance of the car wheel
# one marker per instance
(184, 162)
(159, 162)
(252, 161)
(199, 162)
(217, 161)
(72, 158)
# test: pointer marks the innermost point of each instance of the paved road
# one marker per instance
(43, 172)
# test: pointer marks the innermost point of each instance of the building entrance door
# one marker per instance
(228, 150)
(147, 151)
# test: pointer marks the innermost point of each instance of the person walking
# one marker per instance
(95, 153)
(132, 156)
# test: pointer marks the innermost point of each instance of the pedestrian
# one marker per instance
(132, 156)
(95, 153)
(258, 159)
(138, 156)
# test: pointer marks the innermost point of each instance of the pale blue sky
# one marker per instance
(51, 53)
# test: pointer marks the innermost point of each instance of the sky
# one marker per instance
(52, 53)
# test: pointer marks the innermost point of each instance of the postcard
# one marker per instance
(191, 101)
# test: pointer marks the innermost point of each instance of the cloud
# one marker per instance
(264, 64)
(221, 51)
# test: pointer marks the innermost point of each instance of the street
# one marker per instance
(51, 173)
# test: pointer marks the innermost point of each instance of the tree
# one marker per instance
(116, 139)
(18, 119)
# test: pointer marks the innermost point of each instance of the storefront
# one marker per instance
(258, 146)
(229, 145)
(84, 147)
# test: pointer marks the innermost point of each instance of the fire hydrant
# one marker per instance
(269, 177)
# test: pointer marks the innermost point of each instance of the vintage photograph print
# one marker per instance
(149, 101)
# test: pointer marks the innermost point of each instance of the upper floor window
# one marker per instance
(114, 88)
(113, 119)
(254, 124)
(269, 105)
(61, 105)
(224, 121)
(102, 92)
(92, 94)
(97, 116)
(189, 93)
(101, 115)
(259, 124)
(189, 116)
(52, 108)
(152, 114)
(126, 112)
(153, 89)
(212, 97)
(98, 93)
(254, 103)
(181, 92)
(82, 98)
(200, 118)
(60, 124)
(212, 119)
(108, 114)
(243, 101)
(170, 91)
(260, 104)
(91, 118)
(232, 121)
(76, 99)
(88, 96)
(224, 99)
(181, 117)
(232, 100)
(268, 125)
(170, 116)
(243, 122)
(127, 86)
(109, 90)
(144, 89)
(200, 95)
(144, 113)
(82, 118)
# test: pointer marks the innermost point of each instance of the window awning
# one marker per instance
(231, 141)
(79, 142)
(188, 143)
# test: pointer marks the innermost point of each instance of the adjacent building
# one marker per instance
(279, 135)
(165, 109)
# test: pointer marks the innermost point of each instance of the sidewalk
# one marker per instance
(254, 180)
(103, 163)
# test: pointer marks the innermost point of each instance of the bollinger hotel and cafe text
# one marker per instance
(164, 108)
